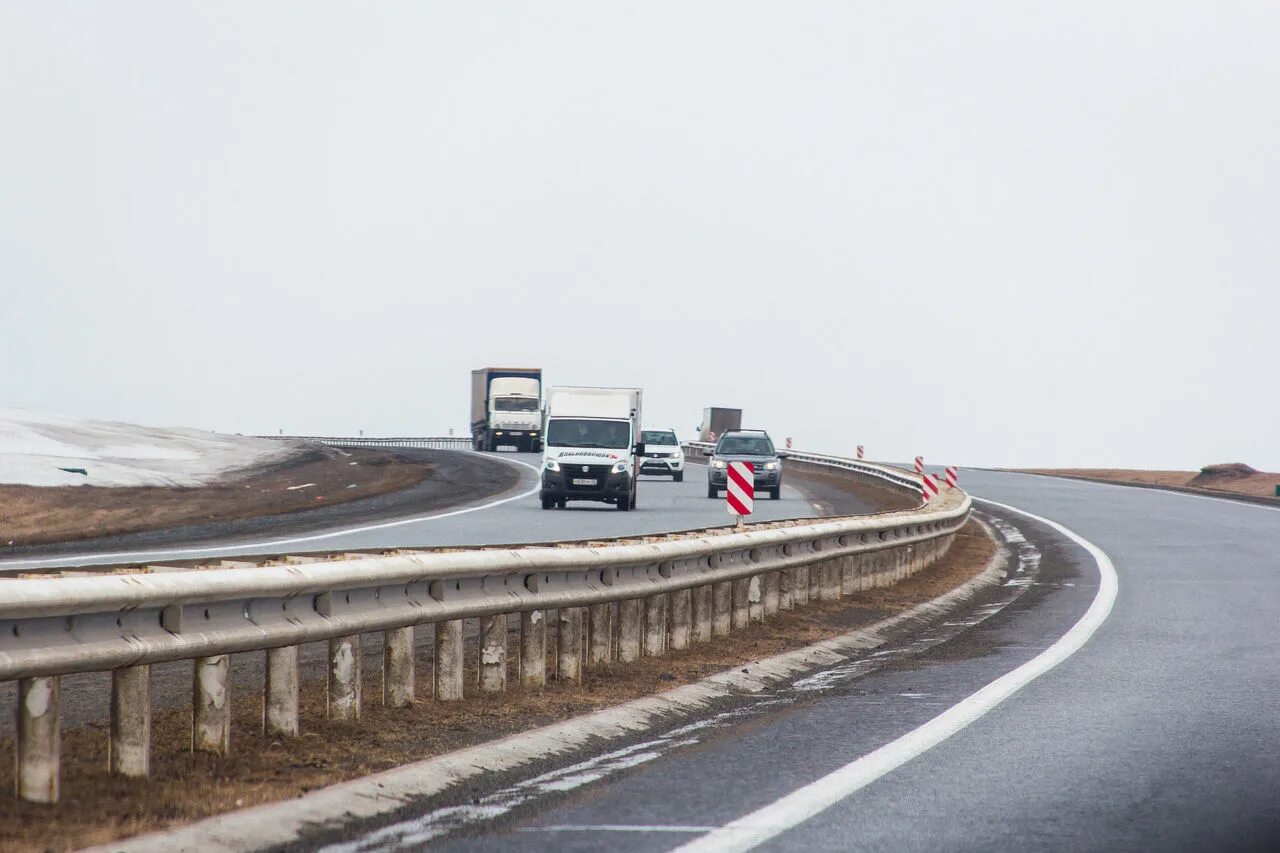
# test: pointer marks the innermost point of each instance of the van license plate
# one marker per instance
(581, 482)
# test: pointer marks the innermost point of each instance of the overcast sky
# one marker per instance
(992, 233)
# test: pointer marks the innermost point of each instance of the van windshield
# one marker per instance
(515, 404)
(575, 432)
(658, 436)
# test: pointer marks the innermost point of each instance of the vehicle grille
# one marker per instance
(599, 473)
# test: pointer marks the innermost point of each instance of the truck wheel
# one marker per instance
(562, 503)
(547, 502)
(678, 477)
(623, 503)
(712, 491)
(635, 496)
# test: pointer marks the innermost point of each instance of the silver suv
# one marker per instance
(745, 445)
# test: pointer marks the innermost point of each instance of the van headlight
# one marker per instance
(771, 466)
(716, 463)
(553, 465)
(620, 467)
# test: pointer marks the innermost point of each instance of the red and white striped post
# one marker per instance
(928, 487)
(951, 476)
(860, 451)
(788, 442)
(919, 464)
(740, 496)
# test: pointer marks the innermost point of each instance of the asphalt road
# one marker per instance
(1161, 733)
(513, 517)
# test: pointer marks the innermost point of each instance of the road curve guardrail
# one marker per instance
(618, 600)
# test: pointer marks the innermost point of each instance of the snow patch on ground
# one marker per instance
(34, 446)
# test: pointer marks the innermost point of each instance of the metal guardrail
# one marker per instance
(438, 442)
(617, 601)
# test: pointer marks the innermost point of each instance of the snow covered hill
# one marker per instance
(34, 447)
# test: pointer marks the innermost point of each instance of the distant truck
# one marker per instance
(717, 421)
(592, 446)
(506, 408)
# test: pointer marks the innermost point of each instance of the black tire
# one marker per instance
(623, 503)
(547, 502)
(562, 503)
(635, 496)
(712, 491)
(678, 476)
(775, 493)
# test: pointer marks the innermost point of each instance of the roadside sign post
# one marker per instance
(919, 464)
(860, 451)
(951, 476)
(740, 496)
(788, 442)
(928, 488)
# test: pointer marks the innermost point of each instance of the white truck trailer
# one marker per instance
(592, 448)
(506, 408)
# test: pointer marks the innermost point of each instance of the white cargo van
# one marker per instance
(590, 447)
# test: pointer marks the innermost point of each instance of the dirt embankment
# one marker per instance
(96, 807)
(36, 515)
(1233, 478)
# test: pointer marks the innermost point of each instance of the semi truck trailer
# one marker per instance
(716, 421)
(592, 446)
(506, 408)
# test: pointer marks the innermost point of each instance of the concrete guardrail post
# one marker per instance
(722, 608)
(449, 670)
(493, 653)
(815, 581)
(630, 629)
(345, 678)
(772, 582)
(755, 598)
(830, 579)
(848, 575)
(39, 739)
(741, 602)
(569, 644)
(702, 615)
(533, 648)
(681, 614)
(129, 747)
(800, 586)
(397, 667)
(601, 633)
(281, 686)
(786, 583)
(655, 625)
(211, 708)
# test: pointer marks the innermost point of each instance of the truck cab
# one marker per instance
(590, 448)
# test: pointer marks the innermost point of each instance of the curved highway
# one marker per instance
(1162, 731)
(513, 517)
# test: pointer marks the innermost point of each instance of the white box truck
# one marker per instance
(506, 408)
(591, 446)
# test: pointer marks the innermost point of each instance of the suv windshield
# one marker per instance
(572, 432)
(743, 445)
(515, 404)
(658, 436)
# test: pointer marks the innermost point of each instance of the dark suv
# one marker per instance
(745, 445)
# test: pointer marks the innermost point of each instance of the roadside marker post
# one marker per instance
(859, 451)
(928, 487)
(951, 476)
(919, 464)
(788, 442)
(740, 496)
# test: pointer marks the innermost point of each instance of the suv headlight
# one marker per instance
(620, 467)
(553, 465)
(717, 463)
(770, 466)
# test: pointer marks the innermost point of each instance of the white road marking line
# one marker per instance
(248, 547)
(615, 827)
(753, 829)
(1131, 488)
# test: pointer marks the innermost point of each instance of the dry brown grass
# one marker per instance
(1260, 484)
(31, 515)
(97, 808)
